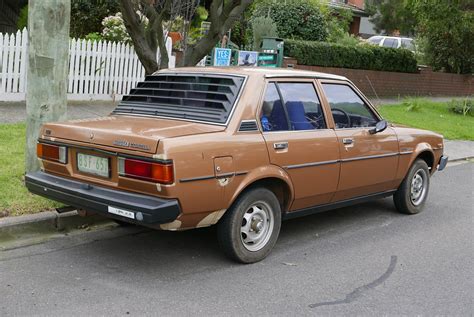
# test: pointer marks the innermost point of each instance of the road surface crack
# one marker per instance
(355, 294)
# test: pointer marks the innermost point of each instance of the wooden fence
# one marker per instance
(98, 70)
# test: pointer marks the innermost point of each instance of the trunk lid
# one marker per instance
(127, 132)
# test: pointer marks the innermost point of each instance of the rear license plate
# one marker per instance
(121, 212)
(92, 164)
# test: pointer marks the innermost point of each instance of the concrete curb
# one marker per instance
(468, 158)
(47, 222)
(50, 222)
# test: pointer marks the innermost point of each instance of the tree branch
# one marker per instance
(222, 16)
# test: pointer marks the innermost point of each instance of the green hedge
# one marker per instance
(358, 57)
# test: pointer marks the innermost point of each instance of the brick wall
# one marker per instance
(392, 84)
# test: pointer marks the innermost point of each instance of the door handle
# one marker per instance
(347, 141)
(280, 145)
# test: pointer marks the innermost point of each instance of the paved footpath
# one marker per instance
(13, 112)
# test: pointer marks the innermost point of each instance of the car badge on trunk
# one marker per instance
(124, 143)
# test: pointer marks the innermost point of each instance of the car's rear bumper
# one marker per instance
(145, 209)
(443, 161)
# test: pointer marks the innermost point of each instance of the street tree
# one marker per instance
(390, 16)
(48, 49)
(149, 37)
(446, 28)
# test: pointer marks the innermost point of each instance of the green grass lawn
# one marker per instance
(430, 115)
(14, 198)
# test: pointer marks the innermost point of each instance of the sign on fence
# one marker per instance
(98, 70)
(222, 56)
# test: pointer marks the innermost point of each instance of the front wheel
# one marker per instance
(249, 229)
(413, 192)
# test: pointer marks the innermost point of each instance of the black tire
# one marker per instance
(403, 199)
(254, 204)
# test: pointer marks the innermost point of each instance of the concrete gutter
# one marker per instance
(46, 224)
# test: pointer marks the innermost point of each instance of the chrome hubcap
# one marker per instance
(257, 226)
(418, 187)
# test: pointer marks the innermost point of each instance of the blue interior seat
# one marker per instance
(297, 116)
(278, 118)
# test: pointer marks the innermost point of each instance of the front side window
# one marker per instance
(388, 42)
(348, 109)
(408, 44)
(291, 106)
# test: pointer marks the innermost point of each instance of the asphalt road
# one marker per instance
(364, 260)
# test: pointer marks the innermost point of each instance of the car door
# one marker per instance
(368, 161)
(299, 140)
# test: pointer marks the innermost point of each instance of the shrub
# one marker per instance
(94, 36)
(357, 57)
(262, 27)
(114, 29)
(301, 20)
(463, 107)
(414, 104)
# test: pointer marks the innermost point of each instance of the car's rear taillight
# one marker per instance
(51, 152)
(149, 171)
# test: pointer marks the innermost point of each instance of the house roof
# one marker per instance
(347, 6)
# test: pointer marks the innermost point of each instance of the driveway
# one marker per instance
(362, 260)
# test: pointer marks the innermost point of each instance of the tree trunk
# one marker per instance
(146, 53)
(222, 15)
(48, 54)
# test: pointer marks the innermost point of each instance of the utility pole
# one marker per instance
(48, 55)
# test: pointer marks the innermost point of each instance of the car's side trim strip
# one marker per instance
(311, 164)
(369, 157)
(201, 178)
(342, 160)
(406, 152)
(334, 205)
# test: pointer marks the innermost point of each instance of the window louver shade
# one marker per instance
(198, 97)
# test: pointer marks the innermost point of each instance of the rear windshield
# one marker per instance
(197, 97)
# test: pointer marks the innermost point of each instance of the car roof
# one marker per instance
(266, 72)
(390, 37)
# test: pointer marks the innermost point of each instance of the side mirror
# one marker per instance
(379, 127)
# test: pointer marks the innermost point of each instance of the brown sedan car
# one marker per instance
(243, 148)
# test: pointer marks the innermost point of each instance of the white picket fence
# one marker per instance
(98, 70)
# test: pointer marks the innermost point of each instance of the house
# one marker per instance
(357, 7)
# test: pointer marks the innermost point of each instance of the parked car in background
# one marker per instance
(393, 42)
(242, 148)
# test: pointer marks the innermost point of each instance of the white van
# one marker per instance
(392, 41)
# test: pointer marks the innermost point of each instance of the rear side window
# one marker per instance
(393, 43)
(291, 106)
(375, 40)
(348, 109)
(198, 97)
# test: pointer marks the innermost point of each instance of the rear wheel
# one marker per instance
(249, 229)
(411, 196)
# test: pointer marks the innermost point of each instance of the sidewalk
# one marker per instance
(14, 112)
(393, 101)
(458, 150)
